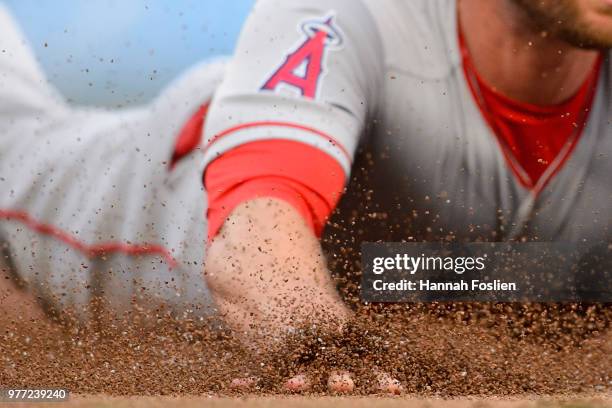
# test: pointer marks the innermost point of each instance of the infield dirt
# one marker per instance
(323, 402)
(436, 351)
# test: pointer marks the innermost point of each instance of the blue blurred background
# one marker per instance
(122, 52)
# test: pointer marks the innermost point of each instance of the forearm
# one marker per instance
(266, 265)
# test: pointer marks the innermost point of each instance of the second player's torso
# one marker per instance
(436, 169)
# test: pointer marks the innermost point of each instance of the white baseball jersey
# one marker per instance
(88, 202)
(387, 74)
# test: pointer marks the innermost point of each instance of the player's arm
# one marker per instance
(280, 139)
(279, 142)
(268, 273)
(271, 199)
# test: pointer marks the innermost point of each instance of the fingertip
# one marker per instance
(392, 388)
(389, 385)
(298, 383)
(340, 382)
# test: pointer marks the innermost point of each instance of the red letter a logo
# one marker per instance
(303, 67)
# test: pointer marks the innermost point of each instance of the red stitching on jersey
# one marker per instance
(280, 124)
(90, 251)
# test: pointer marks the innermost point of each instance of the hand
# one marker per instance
(338, 382)
(267, 275)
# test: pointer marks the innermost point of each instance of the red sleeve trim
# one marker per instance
(248, 125)
(304, 176)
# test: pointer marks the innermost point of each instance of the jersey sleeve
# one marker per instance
(303, 70)
(305, 73)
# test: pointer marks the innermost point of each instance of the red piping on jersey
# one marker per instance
(279, 124)
(190, 135)
(91, 251)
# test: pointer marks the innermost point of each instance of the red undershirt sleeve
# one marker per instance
(303, 176)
